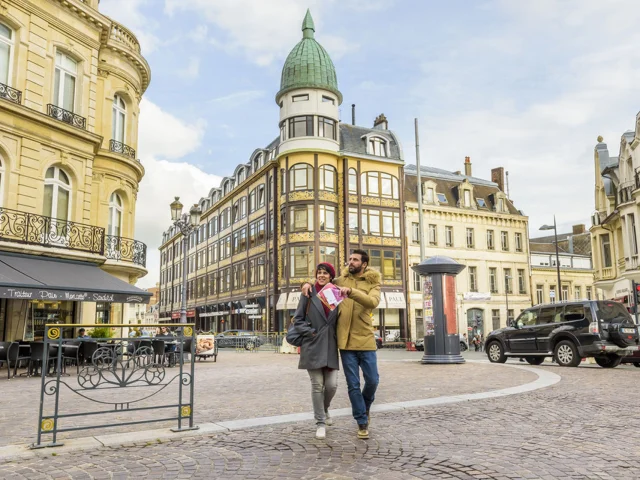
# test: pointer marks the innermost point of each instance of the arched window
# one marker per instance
(377, 146)
(328, 176)
(1, 182)
(301, 177)
(118, 119)
(115, 215)
(64, 89)
(6, 49)
(241, 176)
(57, 194)
(353, 181)
(257, 162)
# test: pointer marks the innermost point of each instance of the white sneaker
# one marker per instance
(327, 419)
(321, 433)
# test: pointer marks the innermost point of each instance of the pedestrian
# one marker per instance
(356, 341)
(319, 350)
(82, 333)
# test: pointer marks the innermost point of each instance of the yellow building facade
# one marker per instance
(71, 81)
(315, 193)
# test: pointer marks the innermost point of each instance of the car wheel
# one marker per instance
(534, 360)
(636, 365)
(495, 353)
(249, 346)
(463, 346)
(609, 361)
(566, 354)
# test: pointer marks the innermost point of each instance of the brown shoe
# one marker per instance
(368, 418)
(363, 432)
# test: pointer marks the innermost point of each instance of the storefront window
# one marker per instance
(103, 311)
(42, 312)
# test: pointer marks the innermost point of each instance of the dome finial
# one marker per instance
(308, 26)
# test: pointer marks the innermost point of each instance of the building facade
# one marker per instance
(319, 190)
(472, 221)
(614, 230)
(576, 267)
(71, 81)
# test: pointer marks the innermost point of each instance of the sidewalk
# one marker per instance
(243, 386)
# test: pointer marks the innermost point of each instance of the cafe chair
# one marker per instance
(37, 357)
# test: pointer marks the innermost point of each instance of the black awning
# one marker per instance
(28, 277)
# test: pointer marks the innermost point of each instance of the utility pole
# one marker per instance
(420, 213)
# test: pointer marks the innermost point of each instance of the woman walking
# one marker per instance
(319, 350)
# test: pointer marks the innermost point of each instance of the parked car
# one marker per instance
(463, 345)
(568, 332)
(238, 339)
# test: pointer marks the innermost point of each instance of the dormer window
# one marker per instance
(442, 198)
(378, 147)
(467, 199)
(300, 98)
(257, 162)
(481, 202)
(430, 196)
(501, 204)
(241, 176)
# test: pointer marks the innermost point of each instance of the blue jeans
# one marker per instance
(361, 400)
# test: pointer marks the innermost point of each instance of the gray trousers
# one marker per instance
(324, 383)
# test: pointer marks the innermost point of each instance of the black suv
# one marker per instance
(567, 331)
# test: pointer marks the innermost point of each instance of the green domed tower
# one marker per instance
(308, 65)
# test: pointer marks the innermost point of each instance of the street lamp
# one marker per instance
(186, 225)
(555, 231)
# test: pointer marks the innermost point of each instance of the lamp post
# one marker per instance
(555, 231)
(507, 284)
(186, 225)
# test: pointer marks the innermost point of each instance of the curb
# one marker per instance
(13, 452)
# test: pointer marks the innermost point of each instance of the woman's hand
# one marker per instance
(306, 289)
(345, 291)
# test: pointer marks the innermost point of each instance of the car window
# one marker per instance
(612, 312)
(575, 312)
(548, 314)
(528, 318)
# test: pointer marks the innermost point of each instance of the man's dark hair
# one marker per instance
(82, 330)
(364, 256)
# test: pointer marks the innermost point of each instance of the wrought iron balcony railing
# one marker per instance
(125, 250)
(625, 193)
(121, 148)
(10, 94)
(32, 229)
(66, 116)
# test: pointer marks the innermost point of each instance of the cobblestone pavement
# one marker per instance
(245, 385)
(584, 427)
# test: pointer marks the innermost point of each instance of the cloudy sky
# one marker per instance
(524, 85)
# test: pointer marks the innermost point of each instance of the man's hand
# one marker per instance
(345, 291)
(306, 289)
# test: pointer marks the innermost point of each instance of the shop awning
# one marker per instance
(293, 300)
(383, 302)
(28, 277)
(282, 301)
(396, 300)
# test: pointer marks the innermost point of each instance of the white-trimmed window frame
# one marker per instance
(11, 43)
(58, 97)
(119, 119)
(59, 184)
(115, 213)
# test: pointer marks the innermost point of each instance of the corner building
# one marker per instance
(318, 191)
(71, 81)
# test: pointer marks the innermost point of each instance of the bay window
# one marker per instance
(302, 261)
(327, 218)
(326, 128)
(301, 177)
(301, 218)
(328, 177)
(301, 126)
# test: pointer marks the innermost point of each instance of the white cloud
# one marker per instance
(164, 137)
(263, 30)
(537, 113)
(199, 34)
(236, 99)
(192, 70)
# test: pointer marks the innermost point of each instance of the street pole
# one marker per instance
(420, 226)
(506, 294)
(555, 231)
(185, 265)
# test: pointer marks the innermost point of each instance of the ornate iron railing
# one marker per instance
(29, 228)
(66, 116)
(119, 147)
(10, 94)
(625, 193)
(125, 249)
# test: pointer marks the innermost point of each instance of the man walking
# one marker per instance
(356, 341)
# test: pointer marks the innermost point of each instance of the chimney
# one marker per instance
(467, 166)
(457, 172)
(381, 122)
(353, 114)
(497, 176)
(578, 229)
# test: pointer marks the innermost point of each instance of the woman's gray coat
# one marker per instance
(320, 346)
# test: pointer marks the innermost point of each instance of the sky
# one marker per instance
(528, 86)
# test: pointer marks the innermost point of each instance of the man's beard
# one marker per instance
(354, 270)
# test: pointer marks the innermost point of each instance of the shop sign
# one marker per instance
(254, 316)
(191, 313)
(396, 300)
(175, 315)
(73, 296)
